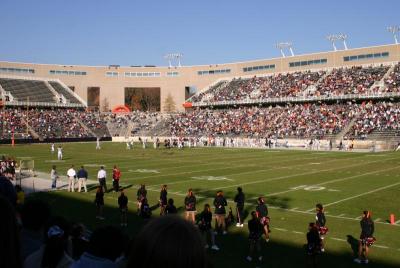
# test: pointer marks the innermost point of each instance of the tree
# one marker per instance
(169, 104)
(105, 107)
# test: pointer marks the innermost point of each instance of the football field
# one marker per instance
(292, 182)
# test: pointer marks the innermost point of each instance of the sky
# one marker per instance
(131, 32)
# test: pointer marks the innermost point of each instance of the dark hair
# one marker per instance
(367, 214)
(9, 242)
(170, 201)
(168, 242)
(319, 206)
(34, 214)
(239, 189)
(107, 242)
(254, 214)
(56, 237)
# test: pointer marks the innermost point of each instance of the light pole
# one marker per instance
(394, 30)
(173, 56)
(343, 38)
(285, 45)
(332, 38)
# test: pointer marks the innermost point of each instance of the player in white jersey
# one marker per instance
(144, 143)
(155, 143)
(98, 144)
(59, 153)
(398, 147)
(52, 148)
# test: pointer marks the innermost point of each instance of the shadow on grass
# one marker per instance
(353, 242)
(233, 247)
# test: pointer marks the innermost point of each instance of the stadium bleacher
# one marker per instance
(24, 90)
(39, 93)
(64, 91)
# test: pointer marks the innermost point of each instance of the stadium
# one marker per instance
(303, 136)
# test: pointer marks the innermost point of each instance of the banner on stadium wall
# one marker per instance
(187, 105)
(121, 109)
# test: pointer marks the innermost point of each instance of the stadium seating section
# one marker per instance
(355, 118)
(39, 91)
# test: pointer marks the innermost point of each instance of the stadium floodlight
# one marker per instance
(173, 56)
(281, 46)
(333, 38)
(394, 30)
(343, 38)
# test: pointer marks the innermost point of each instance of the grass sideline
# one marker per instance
(292, 182)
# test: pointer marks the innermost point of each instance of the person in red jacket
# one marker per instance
(116, 175)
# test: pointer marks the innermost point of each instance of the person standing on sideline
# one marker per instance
(190, 206)
(99, 201)
(204, 224)
(116, 175)
(98, 143)
(59, 153)
(101, 176)
(140, 196)
(163, 199)
(71, 173)
(220, 212)
(123, 208)
(313, 244)
(54, 177)
(255, 233)
(82, 178)
(320, 223)
(239, 200)
(262, 214)
(52, 148)
(366, 237)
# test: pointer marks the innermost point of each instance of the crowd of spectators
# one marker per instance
(95, 121)
(392, 82)
(354, 80)
(142, 121)
(12, 122)
(337, 82)
(276, 86)
(58, 123)
(299, 120)
(382, 117)
(51, 123)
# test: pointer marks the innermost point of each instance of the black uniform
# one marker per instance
(123, 202)
(313, 242)
(141, 194)
(239, 200)
(99, 199)
(190, 203)
(170, 209)
(205, 220)
(367, 228)
(163, 197)
(255, 229)
(220, 204)
(321, 220)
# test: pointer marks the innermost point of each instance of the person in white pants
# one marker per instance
(82, 177)
(71, 173)
(59, 153)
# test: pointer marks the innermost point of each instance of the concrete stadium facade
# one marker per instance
(112, 80)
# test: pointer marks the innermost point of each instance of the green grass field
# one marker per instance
(292, 182)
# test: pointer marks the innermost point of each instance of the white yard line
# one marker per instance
(300, 174)
(333, 181)
(366, 193)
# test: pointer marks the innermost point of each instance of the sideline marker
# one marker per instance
(392, 219)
